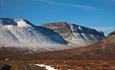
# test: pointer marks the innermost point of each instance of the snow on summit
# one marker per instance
(22, 23)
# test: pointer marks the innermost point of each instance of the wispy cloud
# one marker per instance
(66, 4)
(110, 1)
(113, 0)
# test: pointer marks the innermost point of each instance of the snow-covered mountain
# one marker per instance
(76, 34)
(23, 34)
(55, 36)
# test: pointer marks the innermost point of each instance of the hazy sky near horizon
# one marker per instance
(99, 14)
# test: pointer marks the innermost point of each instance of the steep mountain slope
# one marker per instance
(104, 49)
(22, 34)
(76, 34)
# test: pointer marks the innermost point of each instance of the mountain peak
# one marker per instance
(22, 23)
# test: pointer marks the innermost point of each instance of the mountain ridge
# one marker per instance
(75, 33)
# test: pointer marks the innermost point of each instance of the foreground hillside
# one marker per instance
(59, 65)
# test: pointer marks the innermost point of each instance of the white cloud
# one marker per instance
(66, 4)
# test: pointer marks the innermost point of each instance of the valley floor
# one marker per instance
(59, 65)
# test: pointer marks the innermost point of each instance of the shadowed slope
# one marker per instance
(75, 34)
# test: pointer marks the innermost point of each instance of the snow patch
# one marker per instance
(48, 67)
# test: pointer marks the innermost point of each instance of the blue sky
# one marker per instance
(99, 14)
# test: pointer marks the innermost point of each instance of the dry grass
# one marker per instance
(62, 64)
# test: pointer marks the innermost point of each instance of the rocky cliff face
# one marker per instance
(76, 34)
